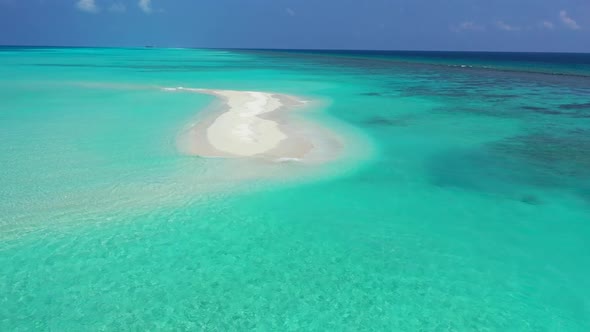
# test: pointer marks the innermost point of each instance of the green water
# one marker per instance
(462, 203)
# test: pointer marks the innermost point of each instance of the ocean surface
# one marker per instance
(461, 204)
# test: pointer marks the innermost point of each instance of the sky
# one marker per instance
(461, 25)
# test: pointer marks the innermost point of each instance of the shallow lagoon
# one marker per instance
(469, 212)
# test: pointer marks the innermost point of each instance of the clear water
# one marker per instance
(470, 213)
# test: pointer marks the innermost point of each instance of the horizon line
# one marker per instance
(287, 49)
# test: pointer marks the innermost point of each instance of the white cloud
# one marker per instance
(468, 26)
(146, 6)
(88, 6)
(506, 27)
(117, 7)
(568, 21)
(547, 25)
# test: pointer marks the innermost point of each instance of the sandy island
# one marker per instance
(257, 124)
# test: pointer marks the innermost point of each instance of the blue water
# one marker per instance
(462, 203)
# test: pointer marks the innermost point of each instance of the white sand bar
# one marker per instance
(240, 131)
(253, 123)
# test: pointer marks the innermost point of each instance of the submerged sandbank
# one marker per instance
(254, 124)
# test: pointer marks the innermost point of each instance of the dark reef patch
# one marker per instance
(498, 112)
(530, 199)
(498, 96)
(569, 110)
(474, 170)
(514, 166)
(371, 94)
(548, 111)
(566, 153)
(583, 106)
(383, 121)
(440, 92)
(533, 108)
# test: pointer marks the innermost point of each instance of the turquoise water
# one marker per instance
(463, 203)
